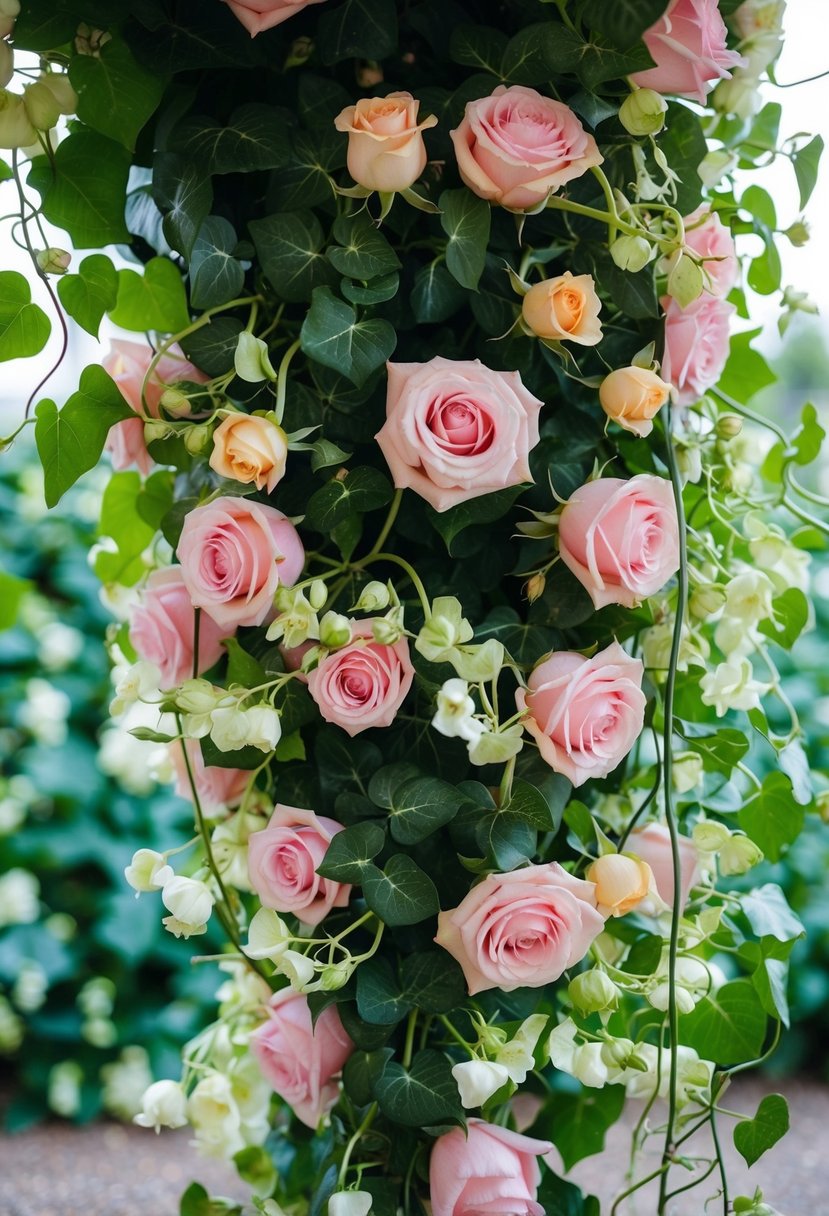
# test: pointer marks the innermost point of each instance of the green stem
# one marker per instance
(408, 1048)
(282, 380)
(404, 565)
(196, 628)
(456, 1034)
(394, 507)
(607, 190)
(720, 1163)
(352, 1144)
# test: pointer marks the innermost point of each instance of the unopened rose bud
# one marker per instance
(534, 587)
(53, 260)
(197, 439)
(156, 430)
(593, 992)
(643, 112)
(798, 233)
(633, 396)
(631, 253)
(728, 426)
(685, 281)
(622, 883)
(175, 403)
(335, 630)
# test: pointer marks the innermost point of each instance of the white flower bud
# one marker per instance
(710, 836)
(374, 598)
(198, 697)
(156, 430)
(631, 253)
(455, 712)
(643, 112)
(148, 871)
(593, 992)
(478, 1080)
(589, 1067)
(197, 439)
(350, 1203)
(189, 901)
(715, 165)
(6, 60)
(496, 747)
(53, 260)
(317, 594)
(336, 976)
(335, 630)
(297, 968)
(163, 1105)
(251, 360)
(268, 936)
(388, 629)
(232, 728)
(686, 771)
(16, 129)
(706, 600)
(443, 630)
(738, 855)
(731, 685)
(686, 282)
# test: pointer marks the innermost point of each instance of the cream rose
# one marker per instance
(250, 449)
(385, 141)
(516, 147)
(564, 309)
(622, 882)
(633, 396)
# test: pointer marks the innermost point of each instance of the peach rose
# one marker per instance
(622, 882)
(299, 1059)
(234, 554)
(218, 788)
(633, 396)
(585, 714)
(127, 363)
(250, 449)
(364, 683)
(708, 236)
(521, 930)
(486, 1169)
(283, 860)
(696, 345)
(455, 429)
(259, 15)
(516, 146)
(688, 46)
(565, 309)
(620, 537)
(652, 844)
(385, 141)
(162, 627)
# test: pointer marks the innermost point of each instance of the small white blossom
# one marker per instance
(19, 897)
(455, 712)
(268, 936)
(45, 712)
(297, 968)
(163, 1105)
(190, 902)
(215, 1117)
(478, 1080)
(232, 728)
(731, 685)
(133, 683)
(350, 1203)
(148, 871)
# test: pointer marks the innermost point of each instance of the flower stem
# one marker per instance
(394, 507)
(282, 380)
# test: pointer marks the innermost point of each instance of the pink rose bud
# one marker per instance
(364, 683)
(217, 788)
(620, 537)
(696, 345)
(162, 629)
(653, 845)
(385, 141)
(522, 929)
(516, 147)
(486, 1169)
(633, 396)
(708, 236)
(234, 554)
(688, 46)
(301, 1060)
(259, 15)
(564, 309)
(283, 860)
(455, 429)
(585, 714)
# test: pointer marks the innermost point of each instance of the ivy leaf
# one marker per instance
(424, 1095)
(130, 532)
(558, 1197)
(400, 894)
(358, 29)
(727, 1027)
(746, 371)
(255, 137)
(363, 489)
(478, 46)
(375, 292)
(433, 981)
(215, 274)
(790, 613)
(350, 853)
(420, 806)
(772, 818)
(363, 1070)
(184, 195)
(624, 22)
(805, 163)
(754, 1137)
(24, 326)
(527, 55)
(153, 300)
(379, 998)
(70, 442)
(436, 295)
(721, 751)
(289, 246)
(363, 251)
(86, 192)
(809, 436)
(483, 509)
(465, 219)
(90, 293)
(332, 335)
(116, 95)
(213, 347)
(305, 180)
(243, 668)
(577, 1123)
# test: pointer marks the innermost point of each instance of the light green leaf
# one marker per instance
(727, 1027)
(24, 326)
(809, 436)
(12, 590)
(242, 667)
(90, 293)
(116, 95)
(769, 914)
(746, 371)
(332, 335)
(121, 521)
(772, 818)
(215, 274)
(153, 300)
(86, 193)
(289, 246)
(790, 614)
(805, 163)
(577, 1123)
(465, 219)
(754, 1137)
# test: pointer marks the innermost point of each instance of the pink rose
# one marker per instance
(234, 554)
(585, 714)
(621, 538)
(259, 15)
(161, 629)
(218, 788)
(127, 364)
(708, 236)
(283, 859)
(696, 345)
(516, 146)
(301, 1060)
(455, 429)
(688, 46)
(364, 683)
(522, 929)
(487, 1170)
(653, 845)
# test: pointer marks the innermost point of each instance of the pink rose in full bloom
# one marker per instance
(259, 15)
(488, 1169)
(696, 345)
(620, 538)
(688, 46)
(127, 364)
(455, 429)
(364, 683)
(218, 788)
(234, 554)
(522, 929)
(516, 146)
(283, 860)
(708, 236)
(385, 141)
(653, 845)
(585, 714)
(161, 629)
(301, 1060)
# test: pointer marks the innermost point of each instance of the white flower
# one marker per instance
(215, 1117)
(30, 987)
(44, 712)
(693, 982)
(190, 902)
(732, 686)
(785, 564)
(710, 836)
(232, 728)
(59, 645)
(133, 683)
(350, 1203)
(297, 621)
(686, 771)
(268, 936)
(443, 630)
(478, 1080)
(148, 871)
(734, 638)
(455, 713)
(738, 855)
(297, 968)
(163, 1105)
(198, 697)
(656, 647)
(19, 897)
(518, 1055)
(495, 747)
(759, 17)
(230, 848)
(693, 1074)
(589, 1066)
(585, 1061)
(125, 1081)
(748, 597)
(715, 165)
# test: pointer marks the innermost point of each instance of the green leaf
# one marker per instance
(790, 616)
(436, 295)
(765, 271)
(483, 509)
(805, 163)
(242, 667)
(215, 274)
(727, 1027)
(721, 751)
(424, 1095)
(512, 840)
(465, 219)
(195, 1201)
(320, 100)
(478, 46)
(24, 326)
(754, 1137)
(183, 194)
(70, 442)
(332, 335)
(772, 818)
(794, 762)
(433, 981)
(577, 1123)
(121, 521)
(401, 894)
(633, 294)
(363, 252)
(624, 21)
(746, 371)
(769, 914)
(358, 29)
(523, 640)
(344, 763)
(213, 347)
(255, 137)
(289, 246)
(375, 292)
(256, 1168)
(526, 57)
(116, 95)
(305, 180)
(90, 293)
(362, 1071)
(153, 300)
(363, 489)
(379, 999)
(86, 192)
(350, 853)
(420, 806)
(12, 590)
(809, 436)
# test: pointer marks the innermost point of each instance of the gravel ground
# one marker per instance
(110, 1170)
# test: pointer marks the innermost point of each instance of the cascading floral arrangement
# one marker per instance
(448, 559)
